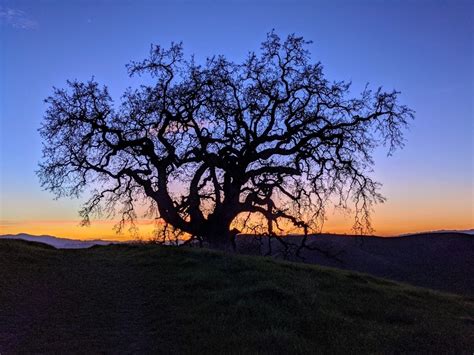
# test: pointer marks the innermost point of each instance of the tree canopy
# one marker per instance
(206, 143)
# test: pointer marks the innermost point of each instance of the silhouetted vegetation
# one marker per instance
(270, 136)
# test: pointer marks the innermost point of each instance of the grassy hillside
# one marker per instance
(137, 298)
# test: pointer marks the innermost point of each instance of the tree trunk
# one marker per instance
(217, 234)
(219, 238)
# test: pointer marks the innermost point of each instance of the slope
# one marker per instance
(126, 298)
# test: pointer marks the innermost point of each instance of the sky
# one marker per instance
(425, 49)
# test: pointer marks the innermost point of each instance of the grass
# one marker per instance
(123, 299)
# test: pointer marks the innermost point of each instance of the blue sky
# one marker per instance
(422, 48)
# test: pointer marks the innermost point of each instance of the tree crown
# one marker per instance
(268, 136)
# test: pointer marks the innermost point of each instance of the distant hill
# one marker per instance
(442, 261)
(152, 299)
(59, 243)
(465, 231)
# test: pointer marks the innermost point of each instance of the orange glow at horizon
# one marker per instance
(385, 222)
(409, 209)
(99, 229)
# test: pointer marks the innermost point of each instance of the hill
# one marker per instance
(442, 261)
(57, 242)
(131, 298)
(464, 231)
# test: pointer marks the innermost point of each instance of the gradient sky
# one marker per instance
(422, 48)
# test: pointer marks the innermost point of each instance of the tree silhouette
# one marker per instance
(203, 144)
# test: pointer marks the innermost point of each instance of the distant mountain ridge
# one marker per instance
(69, 243)
(465, 231)
(59, 243)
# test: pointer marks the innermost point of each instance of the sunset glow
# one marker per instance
(390, 219)
(409, 46)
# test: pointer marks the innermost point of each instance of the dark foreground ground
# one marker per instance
(123, 299)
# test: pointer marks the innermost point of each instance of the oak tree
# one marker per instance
(201, 144)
